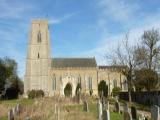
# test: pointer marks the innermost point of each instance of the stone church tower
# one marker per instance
(38, 57)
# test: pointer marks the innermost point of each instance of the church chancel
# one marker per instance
(55, 75)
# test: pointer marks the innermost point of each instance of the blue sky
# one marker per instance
(78, 28)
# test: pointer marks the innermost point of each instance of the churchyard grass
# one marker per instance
(69, 110)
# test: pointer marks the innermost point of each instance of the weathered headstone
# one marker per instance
(125, 107)
(141, 117)
(55, 108)
(117, 107)
(106, 115)
(155, 112)
(27, 118)
(18, 109)
(99, 108)
(85, 106)
(14, 111)
(127, 116)
(10, 115)
(133, 112)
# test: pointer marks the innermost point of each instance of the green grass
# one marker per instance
(15, 101)
(93, 111)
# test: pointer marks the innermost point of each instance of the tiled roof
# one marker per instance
(73, 62)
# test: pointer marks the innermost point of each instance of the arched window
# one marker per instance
(54, 82)
(38, 56)
(90, 83)
(114, 83)
(79, 79)
(39, 37)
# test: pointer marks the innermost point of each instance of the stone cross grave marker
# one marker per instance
(85, 106)
(106, 115)
(10, 115)
(155, 112)
(117, 107)
(134, 112)
(99, 108)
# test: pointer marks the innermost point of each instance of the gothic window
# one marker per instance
(79, 79)
(38, 55)
(114, 83)
(54, 83)
(90, 83)
(39, 37)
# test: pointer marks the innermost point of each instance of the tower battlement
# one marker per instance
(39, 21)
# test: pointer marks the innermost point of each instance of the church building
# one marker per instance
(54, 75)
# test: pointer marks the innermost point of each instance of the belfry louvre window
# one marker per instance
(54, 83)
(90, 83)
(39, 37)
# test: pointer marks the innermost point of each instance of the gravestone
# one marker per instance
(155, 112)
(14, 111)
(126, 113)
(125, 107)
(85, 106)
(10, 115)
(27, 118)
(117, 107)
(127, 116)
(55, 109)
(99, 108)
(133, 112)
(18, 109)
(106, 115)
(142, 117)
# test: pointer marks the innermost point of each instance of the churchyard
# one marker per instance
(90, 108)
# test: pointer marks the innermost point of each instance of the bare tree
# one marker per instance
(124, 55)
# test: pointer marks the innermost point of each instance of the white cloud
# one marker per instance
(110, 41)
(54, 20)
(117, 9)
(13, 9)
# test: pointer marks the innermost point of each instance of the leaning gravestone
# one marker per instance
(99, 108)
(155, 112)
(10, 115)
(85, 106)
(106, 115)
(134, 113)
(117, 107)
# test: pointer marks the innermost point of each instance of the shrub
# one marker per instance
(115, 91)
(35, 94)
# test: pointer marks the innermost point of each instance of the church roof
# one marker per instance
(113, 67)
(73, 62)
